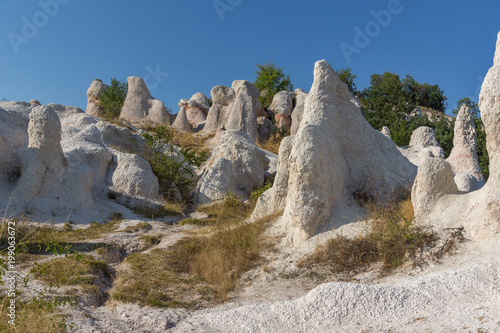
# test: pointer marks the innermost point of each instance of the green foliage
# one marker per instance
(171, 166)
(473, 107)
(112, 99)
(345, 75)
(271, 80)
(386, 100)
(257, 193)
(430, 96)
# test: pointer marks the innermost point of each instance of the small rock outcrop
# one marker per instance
(236, 165)
(181, 122)
(34, 101)
(196, 109)
(386, 131)
(478, 211)
(463, 157)
(423, 144)
(46, 182)
(298, 111)
(265, 128)
(222, 99)
(94, 94)
(140, 108)
(282, 107)
(242, 116)
(328, 162)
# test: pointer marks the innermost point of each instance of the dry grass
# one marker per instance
(37, 315)
(187, 140)
(393, 239)
(273, 143)
(143, 226)
(73, 270)
(170, 209)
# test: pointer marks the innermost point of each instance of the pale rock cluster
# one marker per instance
(436, 198)
(94, 94)
(423, 144)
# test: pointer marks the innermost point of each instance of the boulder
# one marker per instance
(265, 128)
(34, 101)
(423, 144)
(222, 98)
(134, 180)
(386, 131)
(282, 107)
(94, 94)
(242, 116)
(329, 161)
(236, 165)
(298, 111)
(197, 109)
(477, 212)
(181, 122)
(140, 108)
(463, 157)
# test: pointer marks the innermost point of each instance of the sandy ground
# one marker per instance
(459, 294)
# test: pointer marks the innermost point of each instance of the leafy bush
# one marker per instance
(112, 99)
(345, 75)
(271, 80)
(172, 167)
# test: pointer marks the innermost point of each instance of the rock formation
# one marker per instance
(477, 212)
(298, 111)
(463, 158)
(423, 144)
(181, 122)
(222, 99)
(282, 107)
(236, 165)
(265, 128)
(140, 108)
(197, 109)
(34, 101)
(386, 131)
(243, 115)
(328, 162)
(94, 94)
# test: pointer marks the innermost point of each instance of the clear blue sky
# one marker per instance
(61, 50)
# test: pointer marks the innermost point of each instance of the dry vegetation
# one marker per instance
(392, 239)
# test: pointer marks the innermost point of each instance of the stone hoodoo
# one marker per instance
(463, 158)
(181, 122)
(328, 162)
(423, 144)
(94, 94)
(243, 116)
(282, 107)
(140, 108)
(197, 108)
(222, 99)
(478, 212)
(236, 165)
(298, 111)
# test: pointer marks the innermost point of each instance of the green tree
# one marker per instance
(111, 100)
(345, 75)
(271, 80)
(386, 101)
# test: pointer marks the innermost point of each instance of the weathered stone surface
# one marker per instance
(197, 109)
(463, 157)
(329, 162)
(34, 101)
(237, 165)
(298, 111)
(140, 108)
(274, 200)
(423, 144)
(386, 131)
(222, 98)
(94, 94)
(134, 179)
(242, 116)
(265, 128)
(181, 122)
(477, 212)
(282, 107)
